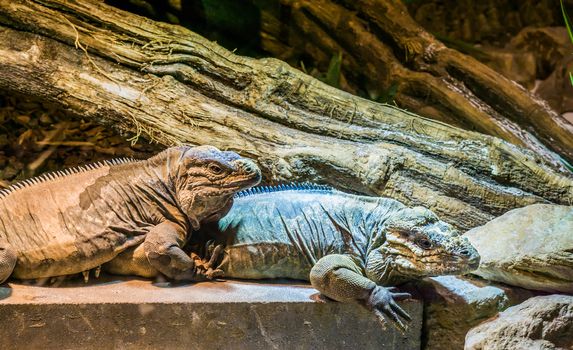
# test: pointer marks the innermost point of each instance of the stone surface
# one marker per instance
(453, 305)
(530, 247)
(548, 44)
(136, 314)
(544, 322)
(557, 89)
(516, 65)
(551, 50)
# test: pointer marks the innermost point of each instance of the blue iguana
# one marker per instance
(75, 220)
(350, 247)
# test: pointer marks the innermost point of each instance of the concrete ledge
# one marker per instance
(132, 313)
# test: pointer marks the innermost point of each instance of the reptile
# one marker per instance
(75, 220)
(350, 247)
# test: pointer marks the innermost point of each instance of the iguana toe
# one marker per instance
(206, 266)
(382, 301)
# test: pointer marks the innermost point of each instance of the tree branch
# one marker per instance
(173, 86)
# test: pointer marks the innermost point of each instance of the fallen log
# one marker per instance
(385, 49)
(170, 85)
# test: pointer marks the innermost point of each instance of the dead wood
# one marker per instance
(384, 49)
(171, 85)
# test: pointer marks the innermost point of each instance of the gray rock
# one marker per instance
(544, 322)
(454, 305)
(127, 313)
(549, 45)
(557, 89)
(516, 65)
(530, 247)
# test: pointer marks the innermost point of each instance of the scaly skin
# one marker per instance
(76, 220)
(349, 247)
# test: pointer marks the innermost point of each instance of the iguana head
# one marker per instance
(207, 179)
(413, 243)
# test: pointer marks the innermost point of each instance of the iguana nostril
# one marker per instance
(250, 168)
(246, 166)
(465, 252)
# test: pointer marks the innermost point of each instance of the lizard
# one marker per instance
(350, 247)
(75, 220)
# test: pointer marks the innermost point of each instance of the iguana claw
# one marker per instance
(86, 275)
(205, 267)
(383, 302)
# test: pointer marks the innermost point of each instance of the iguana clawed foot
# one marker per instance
(383, 302)
(206, 267)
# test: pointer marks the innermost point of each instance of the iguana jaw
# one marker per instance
(397, 262)
(418, 245)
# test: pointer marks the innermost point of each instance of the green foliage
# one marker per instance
(234, 24)
(388, 95)
(567, 21)
(231, 16)
(332, 77)
(332, 74)
(569, 31)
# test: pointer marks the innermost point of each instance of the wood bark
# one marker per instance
(383, 48)
(170, 85)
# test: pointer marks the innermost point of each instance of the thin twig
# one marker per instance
(79, 45)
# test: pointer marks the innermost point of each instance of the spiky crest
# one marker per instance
(50, 176)
(304, 186)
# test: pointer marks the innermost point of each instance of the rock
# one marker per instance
(516, 65)
(453, 305)
(557, 89)
(551, 48)
(549, 45)
(530, 247)
(568, 117)
(491, 21)
(544, 322)
(127, 313)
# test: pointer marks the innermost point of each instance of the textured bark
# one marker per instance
(171, 85)
(383, 48)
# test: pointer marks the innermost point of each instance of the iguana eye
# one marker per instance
(215, 169)
(424, 243)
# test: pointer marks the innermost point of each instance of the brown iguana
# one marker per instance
(75, 220)
(350, 247)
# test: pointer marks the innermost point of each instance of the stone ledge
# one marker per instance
(132, 313)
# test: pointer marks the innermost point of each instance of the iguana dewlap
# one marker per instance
(346, 245)
(75, 220)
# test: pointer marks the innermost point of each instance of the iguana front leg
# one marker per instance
(162, 247)
(340, 278)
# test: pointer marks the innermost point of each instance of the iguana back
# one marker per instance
(281, 232)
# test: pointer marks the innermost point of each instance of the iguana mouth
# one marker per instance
(226, 189)
(247, 181)
(240, 184)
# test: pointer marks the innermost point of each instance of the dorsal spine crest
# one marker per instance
(302, 186)
(50, 176)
